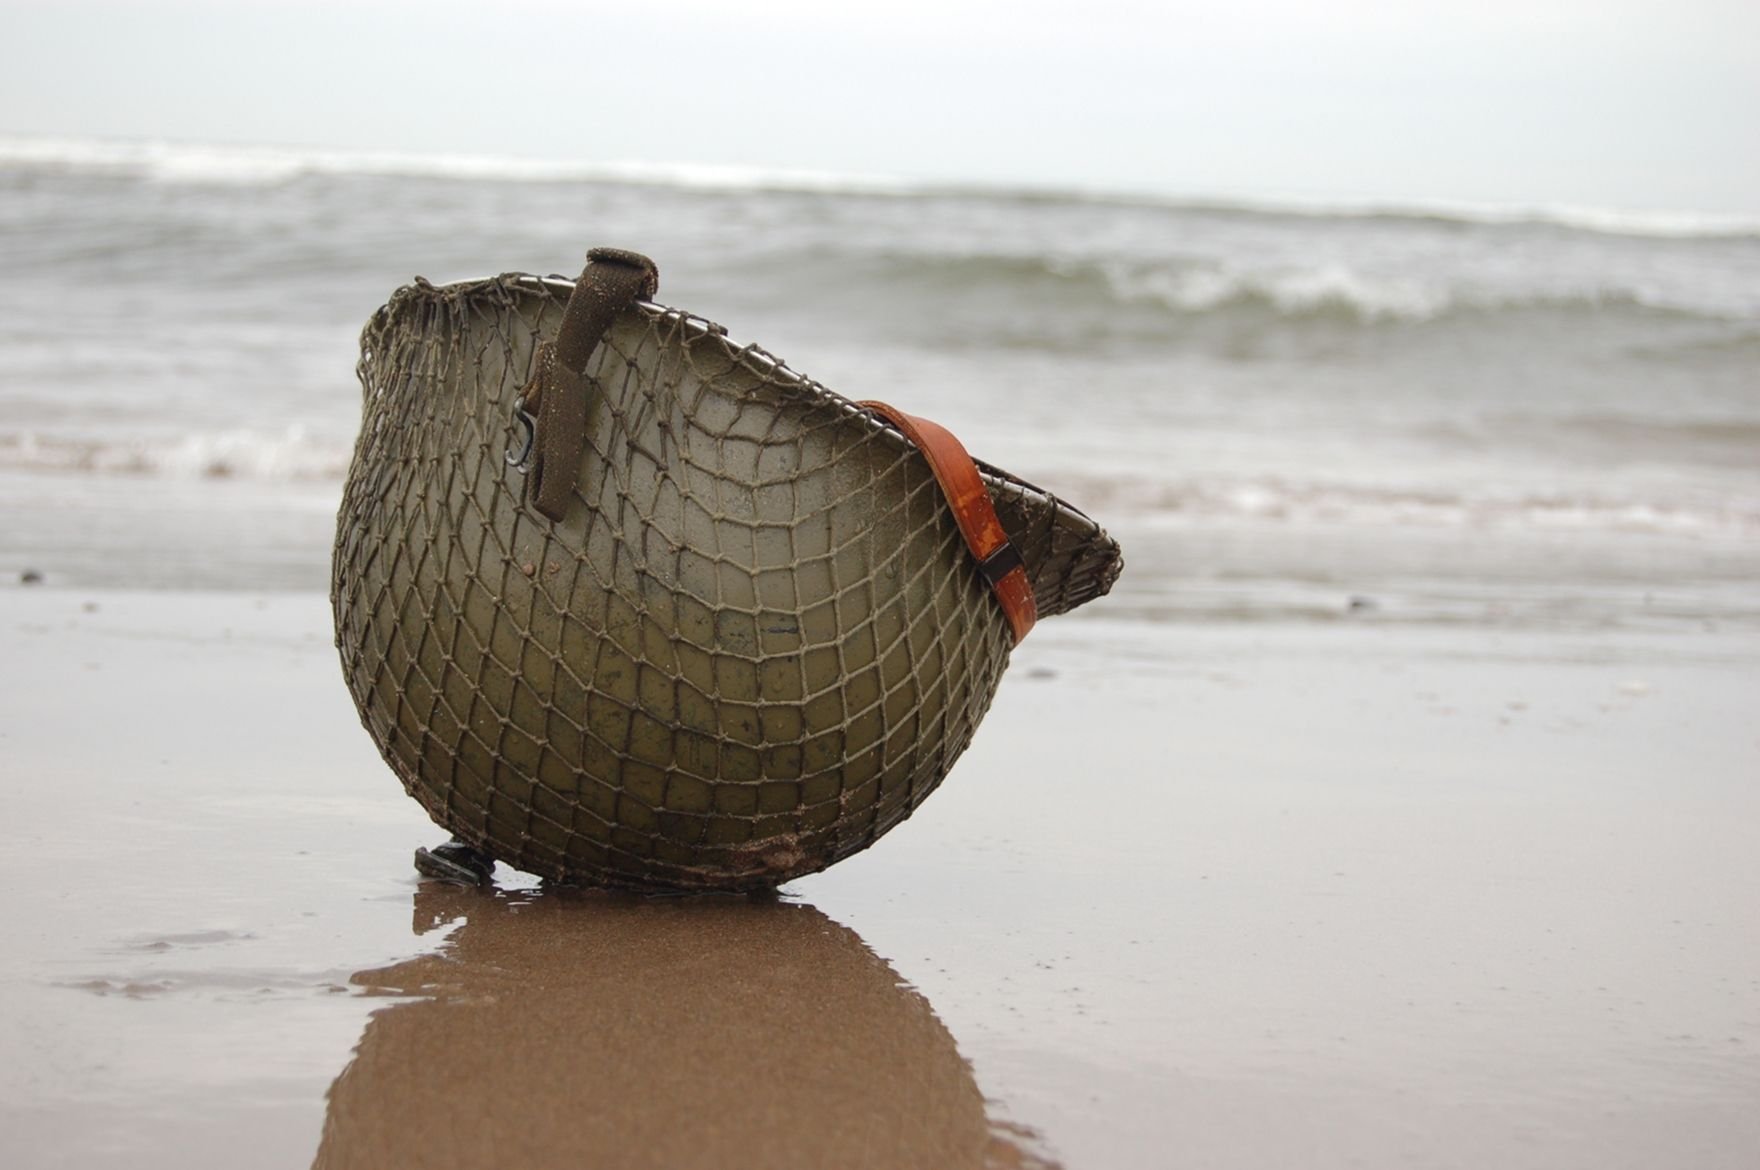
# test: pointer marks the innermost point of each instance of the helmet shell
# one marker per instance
(754, 644)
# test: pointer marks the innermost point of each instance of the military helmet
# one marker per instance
(625, 603)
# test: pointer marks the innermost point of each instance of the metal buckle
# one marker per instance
(520, 461)
(999, 564)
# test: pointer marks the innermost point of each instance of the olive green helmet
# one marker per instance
(625, 603)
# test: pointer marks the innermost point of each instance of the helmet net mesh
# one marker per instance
(753, 645)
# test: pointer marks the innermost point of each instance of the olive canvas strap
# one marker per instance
(612, 281)
(998, 559)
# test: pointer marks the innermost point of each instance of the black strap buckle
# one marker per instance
(999, 564)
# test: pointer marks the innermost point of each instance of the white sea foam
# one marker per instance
(1414, 294)
(293, 454)
(171, 162)
(1280, 501)
(296, 456)
(1294, 291)
(1661, 222)
(220, 164)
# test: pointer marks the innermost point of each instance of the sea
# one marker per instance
(1499, 417)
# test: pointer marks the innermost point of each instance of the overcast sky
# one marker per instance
(1626, 103)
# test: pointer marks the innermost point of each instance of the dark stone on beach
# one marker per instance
(30, 577)
(1359, 603)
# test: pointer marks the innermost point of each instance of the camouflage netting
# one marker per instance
(754, 644)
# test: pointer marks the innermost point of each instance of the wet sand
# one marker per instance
(1322, 894)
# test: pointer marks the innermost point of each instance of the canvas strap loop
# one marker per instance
(998, 559)
(612, 281)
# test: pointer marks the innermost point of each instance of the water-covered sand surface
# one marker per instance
(1357, 893)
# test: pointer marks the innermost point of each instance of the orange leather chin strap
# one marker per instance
(998, 560)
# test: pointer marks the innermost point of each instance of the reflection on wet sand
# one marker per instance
(559, 1029)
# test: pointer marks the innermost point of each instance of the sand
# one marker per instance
(1223, 895)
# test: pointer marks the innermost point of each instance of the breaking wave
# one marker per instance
(248, 165)
(216, 165)
(1334, 292)
(1276, 500)
(293, 454)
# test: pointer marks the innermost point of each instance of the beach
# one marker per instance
(1347, 893)
(1398, 807)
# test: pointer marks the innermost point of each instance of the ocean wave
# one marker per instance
(215, 165)
(1280, 501)
(1330, 291)
(1613, 221)
(1604, 439)
(293, 454)
(1335, 290)
(221, 164)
